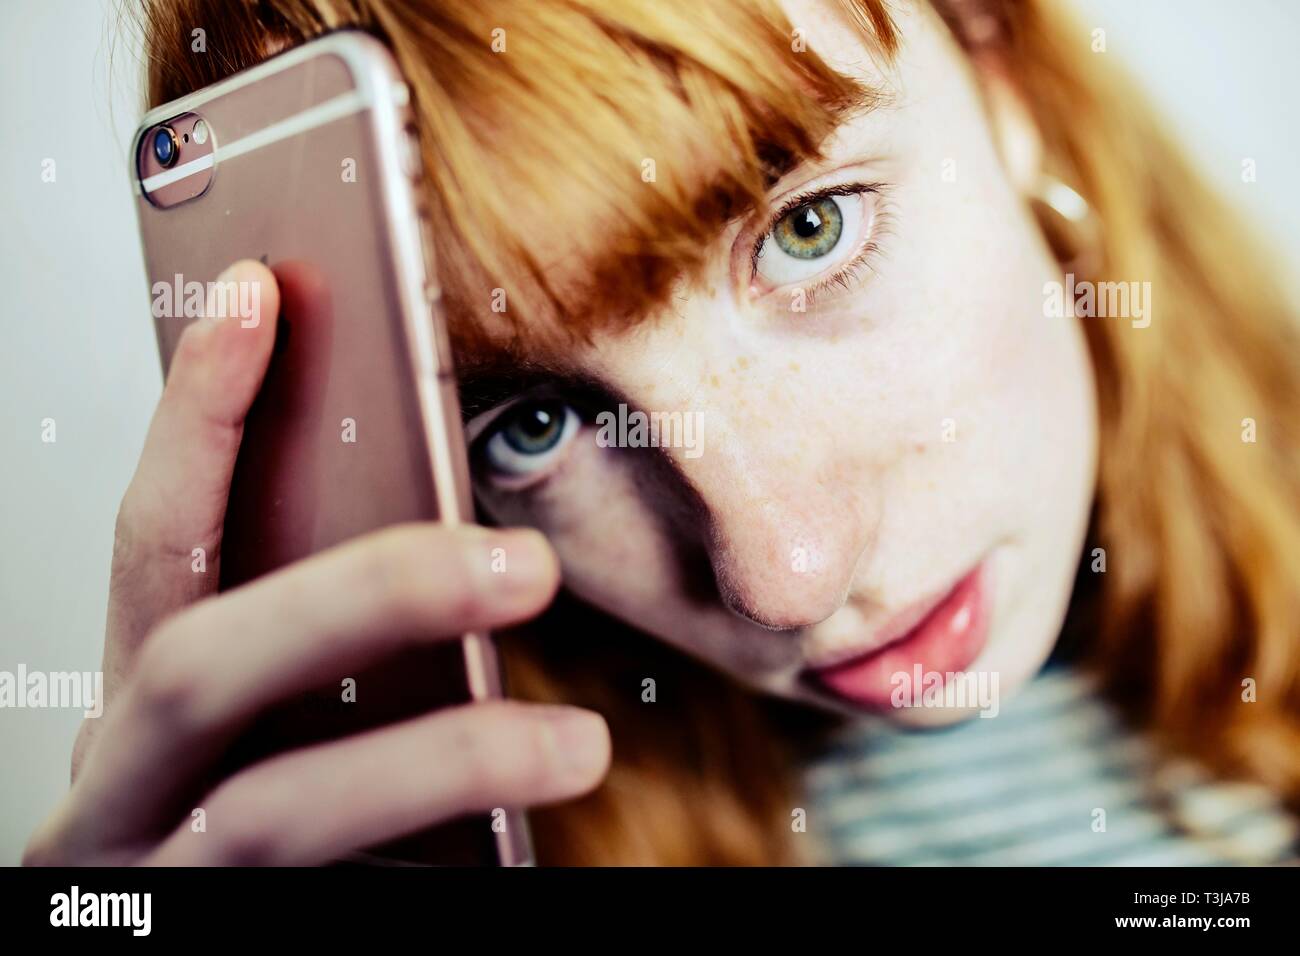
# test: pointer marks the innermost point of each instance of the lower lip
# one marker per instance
(947, 640)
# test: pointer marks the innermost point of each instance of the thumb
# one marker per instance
(176, 501)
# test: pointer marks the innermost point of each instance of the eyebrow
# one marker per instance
(779, 162)
(730, 205)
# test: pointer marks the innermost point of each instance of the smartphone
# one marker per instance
(310, 163)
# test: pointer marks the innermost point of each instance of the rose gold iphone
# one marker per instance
(309, 163)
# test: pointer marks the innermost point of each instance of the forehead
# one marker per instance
(593, 202)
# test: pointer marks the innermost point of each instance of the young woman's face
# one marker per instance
(896, 476)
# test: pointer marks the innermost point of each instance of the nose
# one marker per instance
(787, 536)
(785, 493)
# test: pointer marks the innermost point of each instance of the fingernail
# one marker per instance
(581, 742)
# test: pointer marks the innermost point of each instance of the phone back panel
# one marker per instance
(356, 426)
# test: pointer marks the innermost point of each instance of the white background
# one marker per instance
(78, 344)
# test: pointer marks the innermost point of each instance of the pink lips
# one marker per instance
(947, 638)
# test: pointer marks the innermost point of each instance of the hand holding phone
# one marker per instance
(187, 669)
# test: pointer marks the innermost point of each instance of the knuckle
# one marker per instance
(169, 679)
(391, 580)
(465, 579)
(478, 767)
(246, 835)
(413, 565)
(126, 536)
(492, 755)
(141, 536)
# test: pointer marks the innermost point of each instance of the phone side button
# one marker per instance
(412, 164)
(441, 340)
(430, 261)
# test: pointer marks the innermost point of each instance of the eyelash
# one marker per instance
(863, 259)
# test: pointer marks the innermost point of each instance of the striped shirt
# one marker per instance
(1055, 779)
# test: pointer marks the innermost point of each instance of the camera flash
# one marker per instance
(200, 132)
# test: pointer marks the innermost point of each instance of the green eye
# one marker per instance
(530, 438)
(810, 231)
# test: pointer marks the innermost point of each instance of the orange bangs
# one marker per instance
(583, 154)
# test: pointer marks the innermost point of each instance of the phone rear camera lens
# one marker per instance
(165, 149)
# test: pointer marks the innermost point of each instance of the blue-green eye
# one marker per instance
(530, 437)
